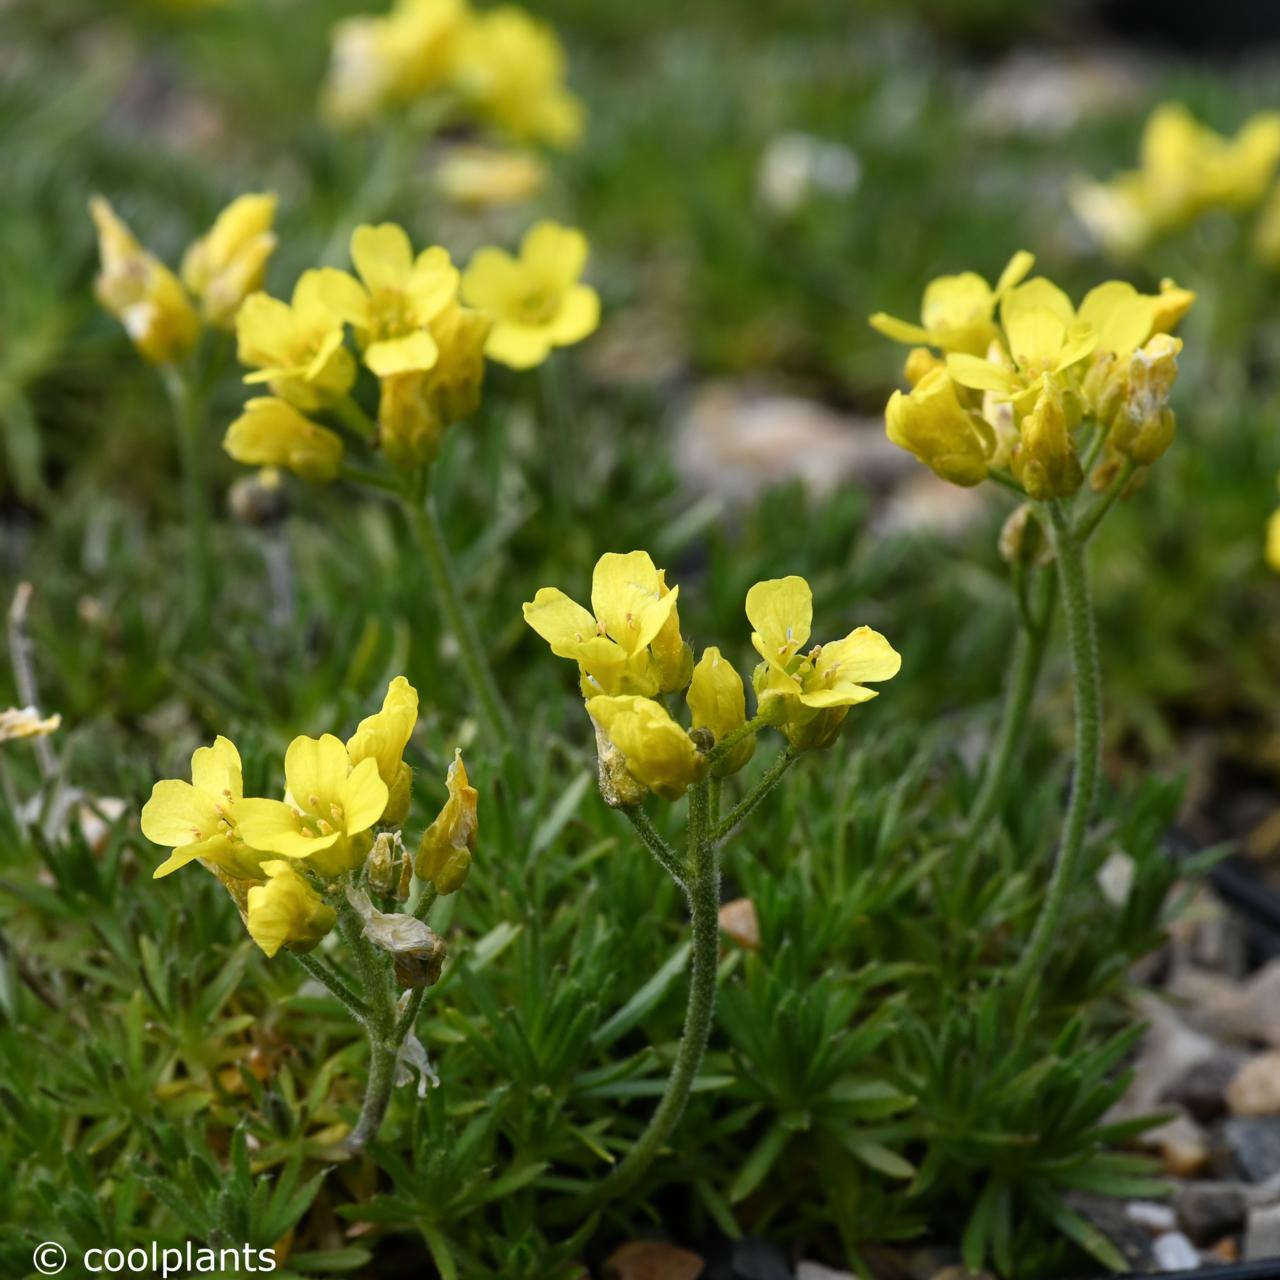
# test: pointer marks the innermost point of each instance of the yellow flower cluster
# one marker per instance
(1006, 377)
(419, 326)
(1185, 169)
(630, 653)
(162, 313)
(278, 857)
(502, 67)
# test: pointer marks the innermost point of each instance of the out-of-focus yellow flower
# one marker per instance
(141, 292)
(272, 433)
(397, 296)
(378, 63)
(957, 311)
(1144, 428)
(1273, 541)
(536, 300)
(415, 408)
(613, 648)
(932, 424)
(657, 752)
(328, 808)
(199, 819)
(229, 263)
(1185, 168)
(1266, 234)
(286, 911)
(296, 347)
(1045, 461)
(718, 702)
(1171, 304)
(510, 69)
(1043, 335)
(26, 722)
(483, 177)
(444, 856)
(809, 695)
(383, 737)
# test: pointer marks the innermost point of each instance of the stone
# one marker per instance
(1255, 1088)
(1174, 1252)
(755, 1259)
(1262, 1233)
(1182, 1144)
(1253, 1142)
(1248, 1012)
(738, 921)
(652, 1260)
(1109, 1217)
(1202, 1087)
(1207, 1211)
(1169, 1050)
(816, 1271)
(1155, 1217)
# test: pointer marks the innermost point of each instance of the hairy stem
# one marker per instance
(768, 780)
(704, 909)
(663, 853)
(731, 740)
(383, 1052)
(326, 977)
(1082, 640)
(444, 583)
(1024, 674)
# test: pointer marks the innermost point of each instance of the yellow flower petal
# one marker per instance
(900, 330)
(1122, 317)
(558, 254)
(178, 814)
(414, 351)
(518, 346)
(578, 318)
(780, 611)
(363, 797)
(216, 770)
(627, 598)
(563, 623)
(382, 255)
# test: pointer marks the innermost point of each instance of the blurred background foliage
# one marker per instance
(162, 1081)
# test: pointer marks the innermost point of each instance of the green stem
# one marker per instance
(1088, 523)
(409, 1016)
(195, 498)
(354, 418)
(449, 599)
(426, 900)
(663, 853)
(731, 740)
(1028, 658)
(383, 1053)
(1081, 637)
(768, 780)
(704, 909)
(322, 974)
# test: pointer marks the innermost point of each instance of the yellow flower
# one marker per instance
(808, 696)
(26, 722)
(395, 299)
(199, 819)
(141, 292)
(415, 408)
(1266, 234)
(286, 911)
(1273, 541)
(956, 314)
(1042, 334)
(272, 433)
(510, 70)
(1045, 461)
(613, 648)
(296, 347)
(328, 808)
(1144, 428)
(227, 264)
(483, 177)
(1171, 304)
(932, 424)
(536, 300)
(657, 752)
(718, 702)
(383, 738)
(444, 856)
(382, 62)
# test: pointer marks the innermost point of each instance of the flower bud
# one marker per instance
(920, 361)
(227, 264)
(1023, 541)
(382, 866)
(718, 702)
(932, 424)
(272, 433)
(1172, 303)
(1045, 460)
(656, 751)
(444, 855)
(618, 788)
(1145, 426)
(286, 911)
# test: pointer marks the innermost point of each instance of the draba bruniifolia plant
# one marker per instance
(327, 859)
(631, 657)
(1065, 408)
